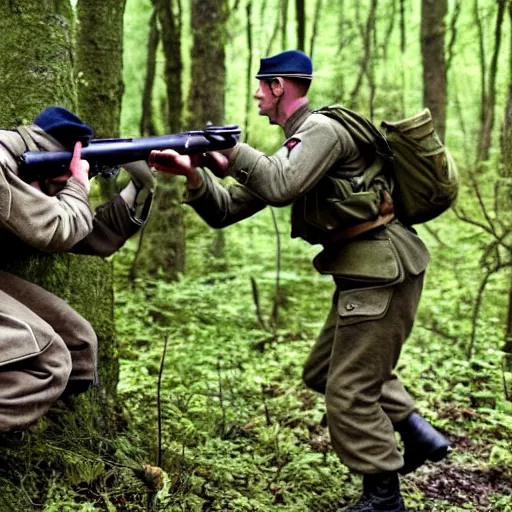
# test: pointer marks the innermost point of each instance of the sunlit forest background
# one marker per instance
(202, 406)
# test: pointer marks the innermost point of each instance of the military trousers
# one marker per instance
(46, 348)
(353, 363)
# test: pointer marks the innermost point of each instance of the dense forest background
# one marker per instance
(201, 404)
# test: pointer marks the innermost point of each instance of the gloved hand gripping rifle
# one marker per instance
(105, 156)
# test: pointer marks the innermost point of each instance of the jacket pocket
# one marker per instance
(367, 261)
(364, 304)
(17, 340)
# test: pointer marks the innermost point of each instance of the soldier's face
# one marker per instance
(266, 100)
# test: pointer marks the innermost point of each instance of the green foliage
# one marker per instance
(240, 432)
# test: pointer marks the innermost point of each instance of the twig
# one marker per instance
(434, 235)
(267, 412)
(159, 405)
(504, 379)
(256, 299)
(275, 309)
(437, 331)
(221, 400)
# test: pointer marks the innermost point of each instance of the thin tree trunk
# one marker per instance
(169, 16)
(147, 125)
(301, 24)
(388, 32)
(434, 65)
(505, 194)
(166, 222)
(206, 98)
(284, 24)
(453, 34)
(367, 58)
(248, 76)
(314, 30)
(489, 99)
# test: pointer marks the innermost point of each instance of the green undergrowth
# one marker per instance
(239, 431)
(224, 422)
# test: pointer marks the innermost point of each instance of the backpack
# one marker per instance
(425, 174)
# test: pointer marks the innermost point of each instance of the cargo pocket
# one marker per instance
(365, 261)
(364, 304)
(17, 340)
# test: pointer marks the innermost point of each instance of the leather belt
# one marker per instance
(363, 227)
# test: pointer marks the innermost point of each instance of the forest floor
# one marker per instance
(240, 430)
(215, 415)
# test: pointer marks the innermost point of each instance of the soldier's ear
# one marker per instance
(277, 86)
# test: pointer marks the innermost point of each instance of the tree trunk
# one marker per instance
(36, 48)
(147, 124)
(367, 64)
(284, 24)
(301, 24)
(505, 197)
(434, 66)
(489, 97)
(314, 30)
(100, 64)
(35, 56)
(206, 96)
(169, 16)
(248, 76)
(166, 222)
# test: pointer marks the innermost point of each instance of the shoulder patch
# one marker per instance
(291, 143)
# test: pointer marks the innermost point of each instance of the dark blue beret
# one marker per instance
(288, 64)
(64, 126)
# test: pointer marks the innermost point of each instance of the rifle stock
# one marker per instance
(105, 155)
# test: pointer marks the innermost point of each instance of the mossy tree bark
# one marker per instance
(36, 56)
(99, 64)
(434, 66)
(209, 31)
(206, 97)
(166, 222)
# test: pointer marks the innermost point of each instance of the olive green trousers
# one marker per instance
(46, 348)
(353, 363)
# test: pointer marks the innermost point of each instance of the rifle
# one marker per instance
(105, 156)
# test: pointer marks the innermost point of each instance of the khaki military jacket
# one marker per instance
(65, 222)
(321, 172)
(30, 219)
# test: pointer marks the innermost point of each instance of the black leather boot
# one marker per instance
(381, 492)
(422, 442)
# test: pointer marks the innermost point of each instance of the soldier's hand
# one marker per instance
(171, 162)
(216, 162)
(79, 168)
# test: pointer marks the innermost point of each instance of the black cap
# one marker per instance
(288, 64)
(63, 125)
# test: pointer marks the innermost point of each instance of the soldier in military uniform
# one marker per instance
(337, 200)
(46, 348)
